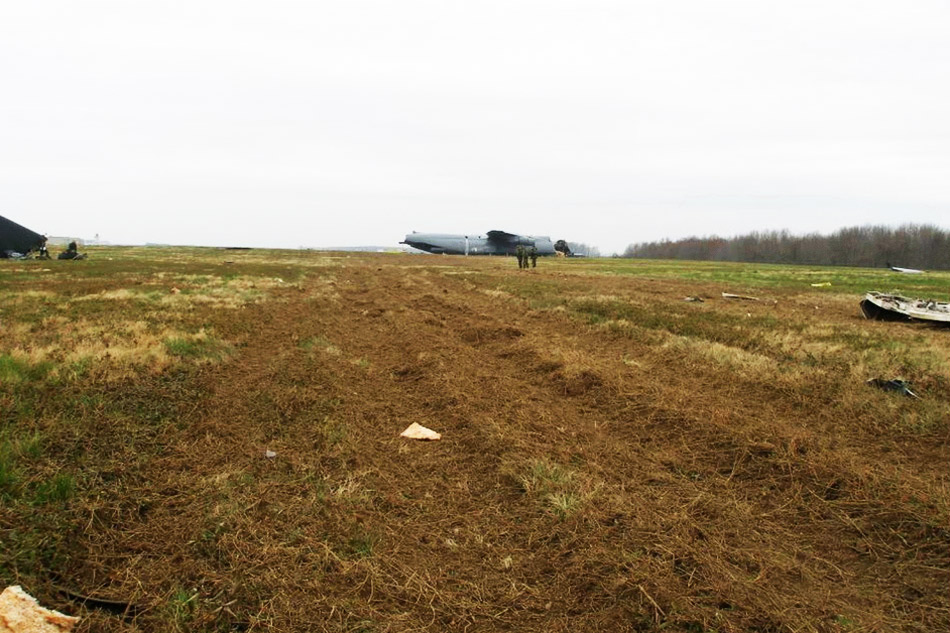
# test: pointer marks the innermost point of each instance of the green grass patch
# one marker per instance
(15, 370)
(59, 489)
(555, 487)
(319, 343)
(361, 544)
(197, 348)
(9, 473)
(181, 608)
(544, 477)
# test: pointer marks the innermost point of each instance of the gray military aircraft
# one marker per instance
(492, 243)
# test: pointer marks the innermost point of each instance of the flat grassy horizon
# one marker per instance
(613, 457)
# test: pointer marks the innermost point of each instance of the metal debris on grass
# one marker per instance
(898, 385)
(887, 307)
(729, 295)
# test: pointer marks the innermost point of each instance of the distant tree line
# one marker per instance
(910, 245)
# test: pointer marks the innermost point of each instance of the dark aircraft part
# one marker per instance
(20, 239)
(898, 385)
(877, 313)
(503, 237)
(561, 247)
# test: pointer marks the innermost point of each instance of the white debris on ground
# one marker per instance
(416, 431)
(729, 295)
(21, 613)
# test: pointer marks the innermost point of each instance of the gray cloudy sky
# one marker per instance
(353, 122)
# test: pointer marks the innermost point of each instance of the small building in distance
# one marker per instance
(53, 240)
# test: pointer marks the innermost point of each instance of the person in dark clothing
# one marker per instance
(533, 253)
(71, 252)
(521, 255)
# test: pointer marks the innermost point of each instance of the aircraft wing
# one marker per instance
(502, 237)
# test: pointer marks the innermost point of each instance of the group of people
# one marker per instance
(71, 252)
(527, 256)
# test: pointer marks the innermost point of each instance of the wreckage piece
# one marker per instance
(906, 271)
(884, 307)
(729, 295)
(416, 431)
(17, 238)
(21, 613)
(898, 385)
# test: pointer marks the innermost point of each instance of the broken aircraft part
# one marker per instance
(884, 307)
(729, 295)
(18, 239)
(898, 385)
(906, 271)
(492, 243)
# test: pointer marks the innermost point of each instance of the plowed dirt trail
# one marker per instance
(595, 473)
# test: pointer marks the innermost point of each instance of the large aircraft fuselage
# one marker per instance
(476, 244)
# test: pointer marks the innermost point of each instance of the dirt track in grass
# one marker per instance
(612, 459)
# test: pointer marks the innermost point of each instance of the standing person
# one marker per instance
(534, 256)
(520, 254)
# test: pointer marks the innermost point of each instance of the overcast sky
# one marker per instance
(318, 123)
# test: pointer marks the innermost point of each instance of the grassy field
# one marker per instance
(613, 457)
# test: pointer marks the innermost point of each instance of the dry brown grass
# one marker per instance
(612, 458)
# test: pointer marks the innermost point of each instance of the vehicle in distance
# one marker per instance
(492, 243)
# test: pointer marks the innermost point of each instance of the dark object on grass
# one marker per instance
(898, 385)
(694, 299)
(71, 252)
(118, 607)
(884, 307)
(19, 239)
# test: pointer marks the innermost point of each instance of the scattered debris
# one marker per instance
(416, 431)
(696, 299)
(729, 295)
(884, 307)
(898, 385)
(906, 271)
(823, 284)
(21, 613)
(278, 280)
(269, 454)
(18, 239)
(175, 291)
